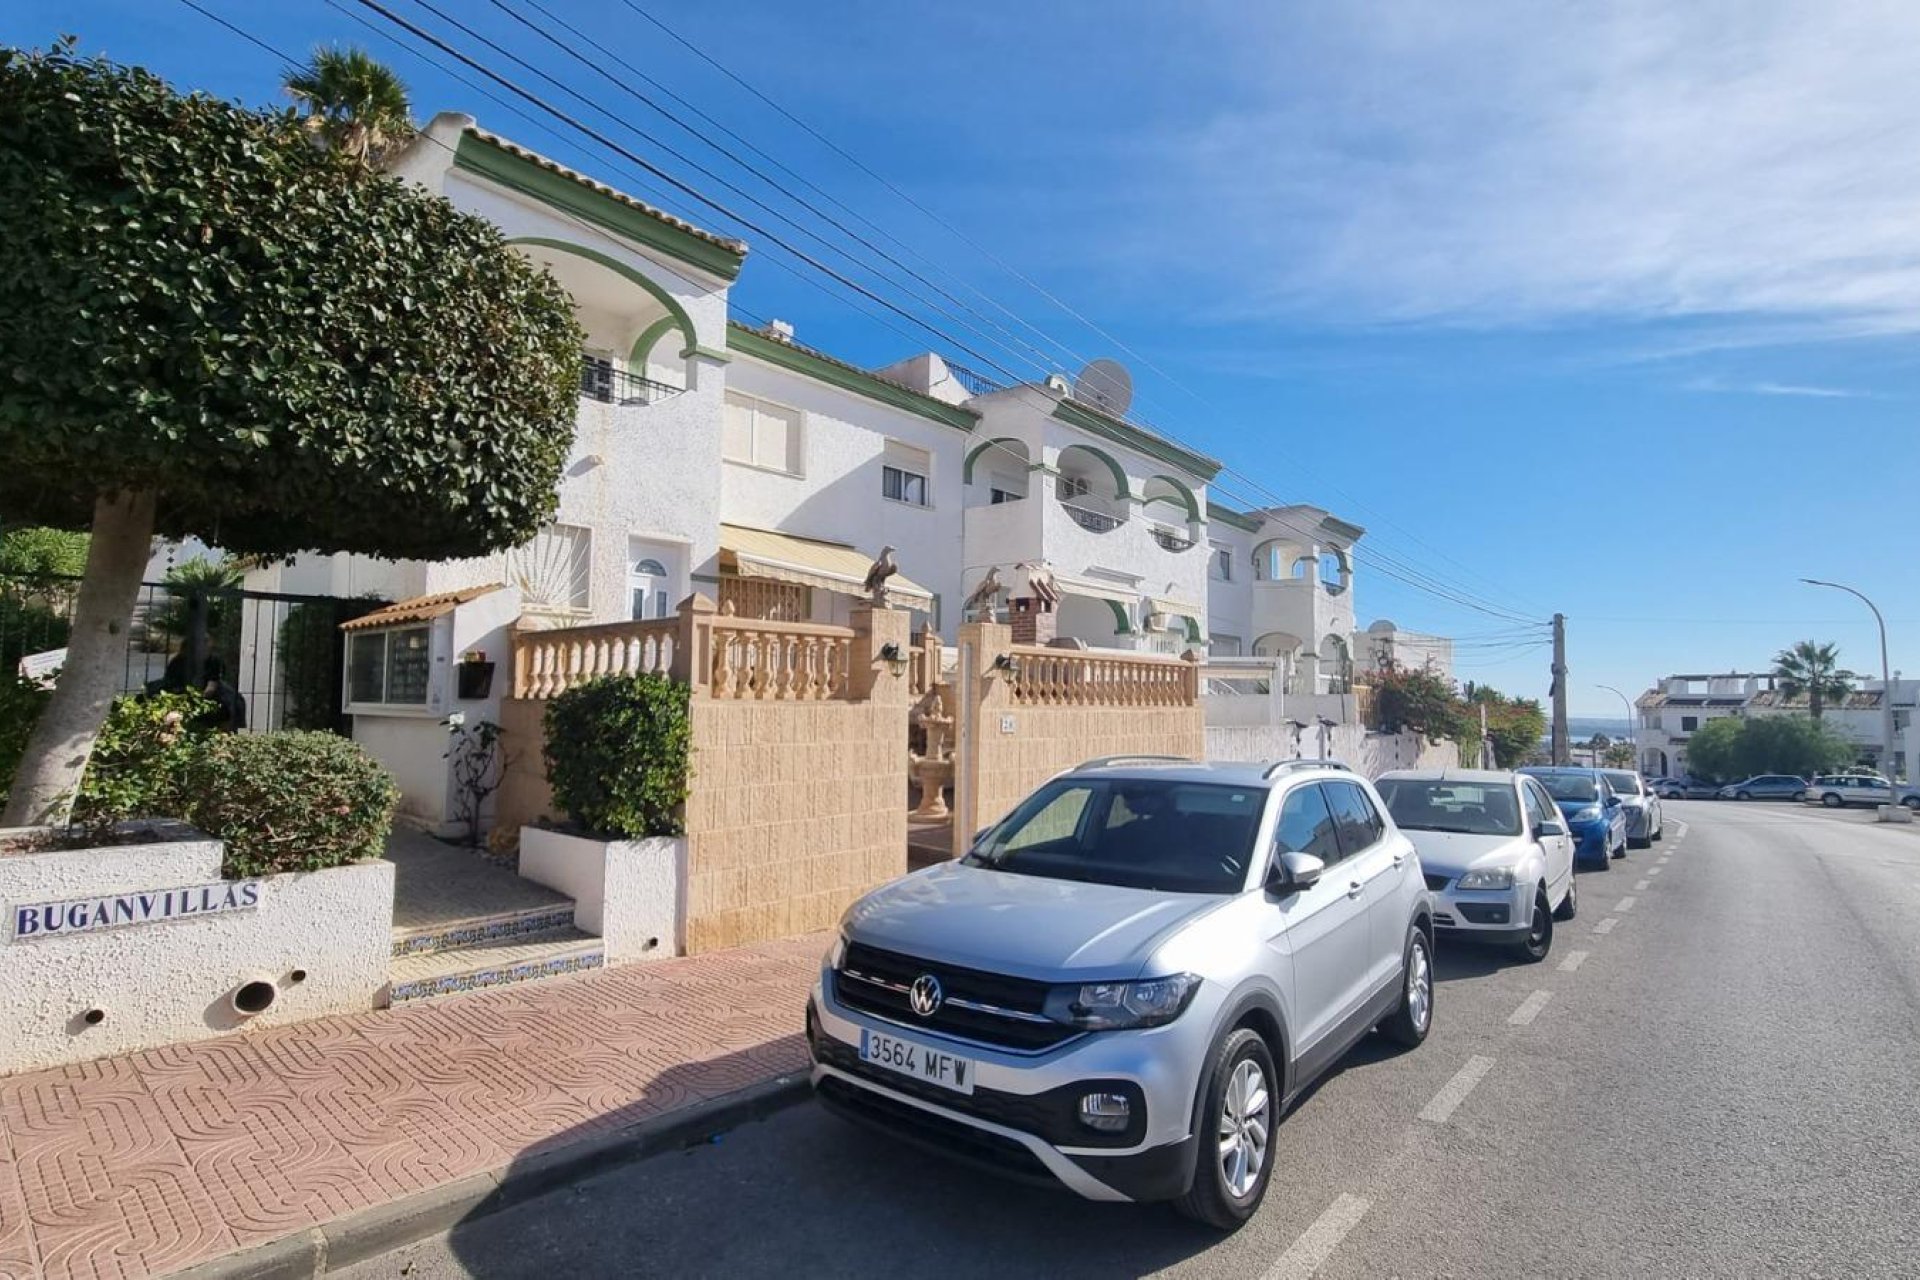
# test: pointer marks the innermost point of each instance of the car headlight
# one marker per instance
(1487, 878)
(1114, 1006)
(1589, 814)
(837, 953)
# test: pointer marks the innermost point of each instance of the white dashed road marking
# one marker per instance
(1573, 961)
(1654, 871)
(1455, 1091)
(1529, 1009)
(1317, 1243)
(1641, 887)
(1626, 903)
(1606, 926)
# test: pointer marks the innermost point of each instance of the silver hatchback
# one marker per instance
(1126, 982)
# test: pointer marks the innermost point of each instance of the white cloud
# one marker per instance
(1525, 163)
(1779, 389)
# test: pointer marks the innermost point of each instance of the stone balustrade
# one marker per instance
(548, 663)
(796, 661)
(1046, 677)
(923, 663)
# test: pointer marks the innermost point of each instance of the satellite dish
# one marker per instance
(1105, 384)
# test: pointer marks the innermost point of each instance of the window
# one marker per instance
(1358, 822)
(1465, 808)
(903, 474)
(1225, 646)
(761, 434)
(1221, 569)
(1306, 825)
(1071, 487)
(388, 668)
(1540, 807)
(554, 571)
(1175, 837)
(1689, 723)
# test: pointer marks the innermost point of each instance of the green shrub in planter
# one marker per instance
(139, 762)
(292, 801)
(21, 702)
(617, 752)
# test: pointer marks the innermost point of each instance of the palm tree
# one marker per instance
(1812, 669)
(353, 101)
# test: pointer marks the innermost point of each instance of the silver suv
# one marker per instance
(1129, 978)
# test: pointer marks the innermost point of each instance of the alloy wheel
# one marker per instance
(1245, 1120)
(1420, 987)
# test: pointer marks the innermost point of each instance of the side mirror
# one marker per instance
(1292, 872)
(1613, 802)
(1547, 829)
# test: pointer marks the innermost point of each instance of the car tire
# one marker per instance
(1414, 1018)
(1242, 1057)
(1800, 797)
(1912, 802)
(1832, 800)
(1743, 795)
(1644, 843)
(1539, 940)
(1660, 832)
(1570, 905)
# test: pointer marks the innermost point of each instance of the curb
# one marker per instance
(383, 1228)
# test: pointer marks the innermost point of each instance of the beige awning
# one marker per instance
(830, 566)
(1178, 608)
(1124, 596)
(418, 609)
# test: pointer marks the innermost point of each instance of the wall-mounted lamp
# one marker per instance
(894, 657)
(1008, 665)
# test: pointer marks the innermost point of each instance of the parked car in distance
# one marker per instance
(1766, 786)
(1495, 852)
(1646, 821)
(1839, 789)
(1595, 817)
(1130, 977)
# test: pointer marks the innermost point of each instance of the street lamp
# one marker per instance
(1886, 672)
(1633, 733)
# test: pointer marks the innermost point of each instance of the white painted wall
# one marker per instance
(837, 498)
(1371, 754)
(632, 893)
(171, 981)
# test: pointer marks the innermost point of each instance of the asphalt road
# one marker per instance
(1716, 1073)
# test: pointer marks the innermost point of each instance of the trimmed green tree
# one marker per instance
(211, 327)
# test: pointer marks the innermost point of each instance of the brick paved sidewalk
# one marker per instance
(144, 1164)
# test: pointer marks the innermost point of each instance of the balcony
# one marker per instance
(1172, 539)
(1090, 520)
(599, 380)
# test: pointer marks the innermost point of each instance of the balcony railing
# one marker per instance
(1092, 521)
(599, 380)
(1172, 541)
(976, 384)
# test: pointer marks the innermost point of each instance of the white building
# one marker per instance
(739, 462)
(1671, 713)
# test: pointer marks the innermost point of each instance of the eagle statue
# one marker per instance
(878, 573)
(982, 600)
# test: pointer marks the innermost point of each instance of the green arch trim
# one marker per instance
(648, 339)
(675, 312)
(966, 470)
(1193, 631)
(1186, 499)
(1119, 474)
(1122, 625)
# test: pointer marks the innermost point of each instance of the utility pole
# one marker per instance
(1886, 684)
(1561, 753)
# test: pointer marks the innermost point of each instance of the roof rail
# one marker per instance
(1307, 762)
(1108, 761)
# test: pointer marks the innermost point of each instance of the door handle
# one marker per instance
(1399, 859)
(1355, 889)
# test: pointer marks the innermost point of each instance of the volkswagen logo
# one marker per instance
(925, 995)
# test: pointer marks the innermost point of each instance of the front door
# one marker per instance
(651, 579)
(1557, 851)
(1380, 866)
(1323, 928)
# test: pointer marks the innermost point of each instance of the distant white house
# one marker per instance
(1680, 705)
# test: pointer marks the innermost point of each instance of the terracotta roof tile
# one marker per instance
(418, 609)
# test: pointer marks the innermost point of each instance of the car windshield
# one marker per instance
(1624, 783)
(1466, 808)
(1177, 837)
(1570, 786)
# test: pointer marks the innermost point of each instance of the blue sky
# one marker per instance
(1607, 309)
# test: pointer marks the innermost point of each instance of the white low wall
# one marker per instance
(1370, 753)
(630, 892)
(160, 968)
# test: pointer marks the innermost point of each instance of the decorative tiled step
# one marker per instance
(483, 931)
(440, 973)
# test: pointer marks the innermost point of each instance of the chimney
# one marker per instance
(1033, 621)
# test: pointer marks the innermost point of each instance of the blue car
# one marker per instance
(1596, 818)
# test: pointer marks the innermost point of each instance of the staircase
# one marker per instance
(452, 956)
(462, 924)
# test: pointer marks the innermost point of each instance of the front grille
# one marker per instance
(1438, 882)
(1442, 920)
(950, 1137)
(1484, 912)
(1052, 1115)
(874, 981)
